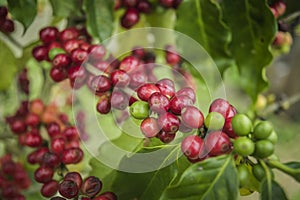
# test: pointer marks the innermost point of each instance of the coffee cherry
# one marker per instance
(172, 58)
(33, 139)
(50, 188)
(119, 100)
(103, 105)
(243, 146)
(137, 78)
(71, 133)
(259, 172)
(145, 91)
(53, 129)
(166, 137)
(48, 34)
(51, 160)
(40, 53)
(193, 147)
(273, 137)
(262, 130)
(192, 117)
(243, 175)
(139, 110)
(61, 60)
(74, 176)
(129, 64)
(241, 124)
(7, 26)
(166, 3)
(149, 127)
(120, 78)
(263, 148)
(144, 6)
(91, 186)
(97, 52)
(187, 91)
(79, 55)
(280, 7)
(69, 34)
(68, 189)
(101, 84)
(78, 74)
(177, 103)
(32, 120)
(3, 12)
(37, 155)
(58, 74)
(217, 143)
(18, 126)
(109, 195)
(228, 128)
(168, 122)
(43, 174)
(221, 106)
(57, 145)
(130, 18)
(166, 87)
(37, 106)
(72, 156)
(159, 103)
(214, 121)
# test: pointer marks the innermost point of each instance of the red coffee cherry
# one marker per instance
(193, 147)
(91, 186)
(68, 189)
(130, 18)
(168, 122)
(166, 137)
(187, 91)
(149, 127)
(50, 188)
(129, 64)
(166, 87)
(48, 34)
(119, 100)
(145, 91)
(43, 174)
(192, 117)
(179, 102)
(217, 143)
(69, 34)
(120, 78)
(58, 74)
(103, 105)
(221, 106)
(72, 156)
(58, 145)
(40, 53)
(74, 176)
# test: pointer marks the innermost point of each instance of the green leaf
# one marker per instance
(276, 192)
(65, 8)
(9, 68)
(253, 28)
(201, 20)
(214, 178)
(99, 14)
(23, 10)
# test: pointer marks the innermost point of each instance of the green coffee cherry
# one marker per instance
(243, 146)
(54, 51)
(214, 121)
(241, 124)
(262, 130)
(258, 172)
(243, 175)
(273, 137)
(263, 148)
(139, 110)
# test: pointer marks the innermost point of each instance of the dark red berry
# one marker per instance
(110, 195)
(159, 103)
(129, 3)
(120, 78)
(58, 74)
(168, 122)
(33, 139)
(166, 137)
(3, 12)
(129, 64)
(221, 106)
(53, 129)
(103, 105)
(172, 58)
(97, 52)
(74, 176)
(232, 112)
(77, 76)
(18, 126)
(58, 145)
(40, 53)
(228, 128)
(68, 189)
(43, 174)
(61, 60)
(166, 3)
(8, 167)
(130, 18)
(119, 100)
(71, 45)
(50, 188)
(176, 3)
(137, 79)
(72, 156)
(166, 87)
(192, 117)
(79, 55)
(91, 186)
(71, 133)
(49, 34)
(51, 160)
(193, 147)
(100, 84)
(179, 102)
(217, 143)
(37, 155)
(144, 6)
(145, 91)
(7, 26)
(69, 34)
(188, 91)
(32, 120)
(149, 127)
(138, 52)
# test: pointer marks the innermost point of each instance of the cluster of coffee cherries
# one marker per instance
(13, 179)
(6, 24)
(214, 138)
(73, 186)
(23, 81)
(134, 7)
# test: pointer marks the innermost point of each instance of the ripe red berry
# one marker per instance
(72, 156)
(119, 100)
(166, 137)
(58, 74)
(51, 160)
(103, 105)
(192, 117)
(7, 26)
(43, 174)
(69, 34)
(77, 76)
(53, 129)
(48, 34)
(217, 143)
(33, 139)
(145, 91)
(100, 84)
(79, 55)
(91, 186)
(32, 120)
(137, 78)
(71, 133)
(177, 103)
(61, 60)
(144, 6)
(74, 176)
(130, 3)
(18, 126)
(166, 3)
(120, 78)
(228, 128)
(188, 91)
(68, 189)
(3, 11)
(130, 18)
(40, 53)
(71, 45)
(57, 145)
(149, 127)
(97, 52)
(166, 87)
(129, 64)
(221, 106)
(50, 188)
(159, 103)
(37, 155)
(109, 195)
(193, 147)
(168, 122)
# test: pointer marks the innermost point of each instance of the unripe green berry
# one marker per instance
(273, 137)
(54, 51)
(243, 146)
(139, 110)
(241, 124)
(214, 121)
(262, 130)
(263, 148)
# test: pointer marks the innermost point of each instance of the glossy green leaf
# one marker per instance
(274, 193)
(8, 68)
(212, 179)
(201, 20)
(99, 14)
(293, 169)
(253, 28)
(23, 10)
(65, 8)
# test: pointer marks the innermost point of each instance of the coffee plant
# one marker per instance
(144, 99)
